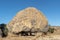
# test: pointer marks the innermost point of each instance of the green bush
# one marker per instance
(51, 30)
(4, 30)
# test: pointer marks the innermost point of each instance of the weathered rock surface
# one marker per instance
(27, 19)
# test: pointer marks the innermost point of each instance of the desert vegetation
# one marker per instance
(4, 30)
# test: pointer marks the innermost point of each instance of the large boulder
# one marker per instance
(27, 19)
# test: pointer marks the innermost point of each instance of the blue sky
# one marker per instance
(50, 8)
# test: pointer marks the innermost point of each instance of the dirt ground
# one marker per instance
(37, 37)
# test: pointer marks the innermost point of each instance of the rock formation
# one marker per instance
(27, 19)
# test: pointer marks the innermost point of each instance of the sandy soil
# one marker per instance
(37, 37)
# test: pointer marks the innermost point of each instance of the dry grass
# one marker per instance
(37, 37)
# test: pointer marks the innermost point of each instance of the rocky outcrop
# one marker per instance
(27, 19)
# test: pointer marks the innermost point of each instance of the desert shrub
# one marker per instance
(51, 30)
(4, 30)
